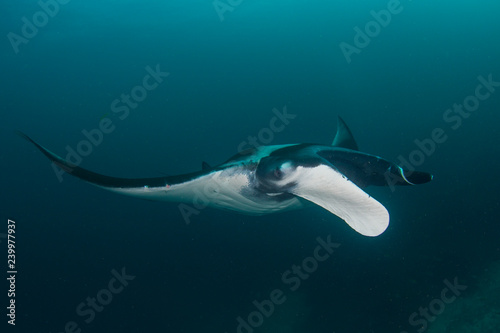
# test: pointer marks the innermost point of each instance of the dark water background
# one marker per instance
(225, 78)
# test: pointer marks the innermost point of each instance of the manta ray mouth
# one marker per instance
(274, 194)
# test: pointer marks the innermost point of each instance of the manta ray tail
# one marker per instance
(93, 177)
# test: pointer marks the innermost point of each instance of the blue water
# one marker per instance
(228, 68)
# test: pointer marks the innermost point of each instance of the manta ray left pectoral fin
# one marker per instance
(328, 188)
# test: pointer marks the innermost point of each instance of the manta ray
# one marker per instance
(269, 179)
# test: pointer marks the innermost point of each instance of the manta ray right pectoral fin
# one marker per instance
(328, 188)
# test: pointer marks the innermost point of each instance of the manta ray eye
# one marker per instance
(282, 170)
(278, 173)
